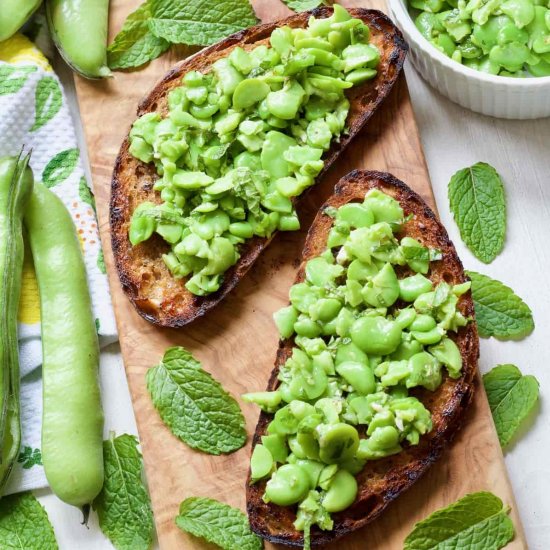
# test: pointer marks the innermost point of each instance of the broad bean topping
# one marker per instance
(240, 142)
(500, 37)
(367, 324)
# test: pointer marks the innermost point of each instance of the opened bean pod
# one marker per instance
(16, 183)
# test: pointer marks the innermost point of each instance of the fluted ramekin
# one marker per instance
(498, 96)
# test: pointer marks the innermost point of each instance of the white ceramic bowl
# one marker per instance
(498, 96)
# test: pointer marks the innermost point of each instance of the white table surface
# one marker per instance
(452, 138)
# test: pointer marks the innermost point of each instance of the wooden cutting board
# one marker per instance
(237, 341)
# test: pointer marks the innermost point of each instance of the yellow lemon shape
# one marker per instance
(19, 49)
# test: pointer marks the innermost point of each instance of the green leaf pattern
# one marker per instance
(48, 100)
(85, 193)
(60, 167)
(13, 77)
(29, 457)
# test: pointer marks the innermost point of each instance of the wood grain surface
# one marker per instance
(237, 341)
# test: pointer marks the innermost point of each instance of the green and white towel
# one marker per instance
(34, 114)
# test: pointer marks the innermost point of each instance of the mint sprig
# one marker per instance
(511, 396)
(25, 524)
(499, 311)
(194, 405)
(199, 22)
(479, 521)
(477, 201)
(155, 25)
(218, 523)
(123, 506)
(135, 44)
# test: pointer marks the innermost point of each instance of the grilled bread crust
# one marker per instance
(381, 481)
(156, 294)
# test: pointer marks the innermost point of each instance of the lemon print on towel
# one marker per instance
(20, 50)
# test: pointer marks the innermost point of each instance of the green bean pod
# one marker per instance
(79, 30)
(14, 14)
(16, 182)
(72, 420)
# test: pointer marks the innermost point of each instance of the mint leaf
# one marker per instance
(476, 522)
(303, 5)
(476, 197)
(217, 523)
(199, 22)
(47, 101)
(24, 524)
(511, 397)
(13, 77)
(60, 167)
(135, 44)
(499, 312)
(194, 405)
(123, 506)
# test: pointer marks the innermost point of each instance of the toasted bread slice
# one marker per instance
(381, 481)
(156, 294)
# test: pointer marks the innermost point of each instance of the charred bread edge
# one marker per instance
(403, 478)
(252, 248)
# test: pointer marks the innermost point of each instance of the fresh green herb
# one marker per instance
(511, 397)
(60, 167)
(48, 100)
(123, 506)
(194, 405)
(499, 312)
(303, 5)
(479, 521)
(135, 44)
(477, 201)
(217, 523)
(199, 22)
(24, 524)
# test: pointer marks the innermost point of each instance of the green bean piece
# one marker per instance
(16, 183)
(341, 492)
(261, 463)
(288, 485)
(79, 30)
(72, 419)
(248, 92)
